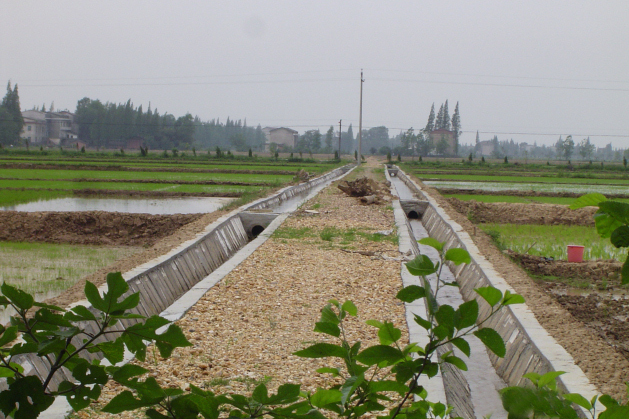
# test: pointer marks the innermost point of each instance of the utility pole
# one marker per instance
(360, 120)
(340, 133)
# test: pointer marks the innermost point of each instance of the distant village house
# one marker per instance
(54, 128)
(282, 137)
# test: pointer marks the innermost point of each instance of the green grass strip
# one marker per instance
(552, 241)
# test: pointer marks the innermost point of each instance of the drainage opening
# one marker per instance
(256, 230)
(413, 215)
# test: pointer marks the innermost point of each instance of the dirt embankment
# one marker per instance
(90, 227)
(510, 213)
(459, 191)
(599, 273)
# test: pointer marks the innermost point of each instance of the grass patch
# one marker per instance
(10, 198)
(552, 241)
(293, 233)
(47, 269)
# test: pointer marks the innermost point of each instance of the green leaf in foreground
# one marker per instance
(589, 200)
(489, 294)
(434, 243)
(379, 353)
(620, 237)
(492, 340)
(324, 397)
(411, 293)
(322, 350)
(458, 256)
(421, 266)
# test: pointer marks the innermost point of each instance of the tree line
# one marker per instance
(103, 124)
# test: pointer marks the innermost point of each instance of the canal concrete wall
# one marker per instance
(529, 347)
(164, 280)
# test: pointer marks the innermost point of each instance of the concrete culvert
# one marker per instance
(256, 230)
(413, 215)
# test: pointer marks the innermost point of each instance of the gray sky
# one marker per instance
(297, 63)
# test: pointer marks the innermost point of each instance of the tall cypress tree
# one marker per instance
(430, 126)
(446, 117)
(439, 120)
(456, 127)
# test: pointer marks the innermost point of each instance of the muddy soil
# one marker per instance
(452, 191)
(160, 247)
(90, 227)
(512, 213)
(604, 314)
(600, 274)
(604, 364)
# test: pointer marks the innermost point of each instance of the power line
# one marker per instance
(606, 89)
(499, 76)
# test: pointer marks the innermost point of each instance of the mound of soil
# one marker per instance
(368, 190)
(90, 227)
(596, 272)
(512, 213)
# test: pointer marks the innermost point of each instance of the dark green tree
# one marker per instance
(12, 121)
(439, 120)
(430, 125)
(446, 118)
(456, 127)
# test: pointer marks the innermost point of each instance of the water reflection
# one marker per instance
(183, 205)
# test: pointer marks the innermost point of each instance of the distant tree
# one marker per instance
(430, 126)
(446, 124)
(12, 122)
(329, 136)
(559, 146)
(239, 142)
(586, 148)
(456, 127)
(424, 144)
(442, 145)
(470, 157)
(408, 140)
(568, 147)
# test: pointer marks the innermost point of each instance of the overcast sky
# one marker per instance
(529, 70)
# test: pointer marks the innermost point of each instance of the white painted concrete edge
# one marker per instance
(575, 379)
(434, 386)
(60, 408)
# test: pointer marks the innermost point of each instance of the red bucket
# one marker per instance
(575, 253)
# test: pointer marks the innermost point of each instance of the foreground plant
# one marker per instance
(380, 379)
(61, 339)
(543, 400)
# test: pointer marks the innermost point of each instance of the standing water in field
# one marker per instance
(164, 206)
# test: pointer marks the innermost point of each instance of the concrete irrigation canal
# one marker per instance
(216, 276)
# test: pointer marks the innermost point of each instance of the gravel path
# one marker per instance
(245, 329)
